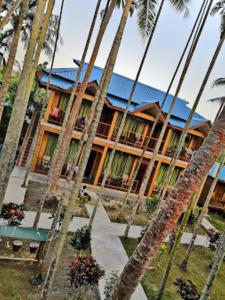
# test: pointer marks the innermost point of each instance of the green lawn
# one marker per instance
(217, 220)
(197, 273)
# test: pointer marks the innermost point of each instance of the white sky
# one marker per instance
(163, 56)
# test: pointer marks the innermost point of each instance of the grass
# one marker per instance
(217, 220)
(197, 271)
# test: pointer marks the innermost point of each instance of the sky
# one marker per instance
(168, 43)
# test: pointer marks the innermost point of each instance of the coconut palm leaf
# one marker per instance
(181, 6)
(219, 100)
(219, 8)
(219, 82)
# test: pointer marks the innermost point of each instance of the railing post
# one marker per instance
(166, 143)
(50, 104)
(154, 179)
(99, 170)
(113, 125)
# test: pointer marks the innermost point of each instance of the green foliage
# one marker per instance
(81, 239)
(84, 271)
(151, 204)
(110, 282)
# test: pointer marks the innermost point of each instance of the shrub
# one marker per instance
(214, 238)
(151, 204)
(84, 271)
(81, 239)
(187, 290)
(12, 213)
(110, 282)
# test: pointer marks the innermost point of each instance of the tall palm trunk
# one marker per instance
(171, 210)
(122, 124)
(44, 104)
(12, 56)
(67, 126)
(151, 163)
(201, 216)
(217, 261)
(19, 108)
(174, 248)
(198, 19)
(188, 122)
(100, 95)
(9, 14)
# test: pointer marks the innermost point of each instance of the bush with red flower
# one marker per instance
(12, 213)
(84, 271)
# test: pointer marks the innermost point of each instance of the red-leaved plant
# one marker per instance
(84, 270)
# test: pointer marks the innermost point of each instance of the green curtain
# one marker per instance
(132, 124)
(174, 176)
(63, 101)
(162, 172)
(175, 136)
(85, 109)
(51, 144)
(72, 151)
(161, 175)
(122, 164)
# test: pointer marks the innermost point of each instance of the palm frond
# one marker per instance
(146, 16)
(218, 100)
(181, 6)
(219, 8)
(219, 82)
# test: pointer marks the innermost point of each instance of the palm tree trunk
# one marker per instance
(71, 115)
(44, 104)
(100, 95)
(46, 193)
(171, 210)
(188, 122)
(1, 4)
(121, 128)
(151, 163)
(173, 251)
(217, 261)
(12, 56)
(198, 19)
(201, 216)
(19, 108)
(10, 12)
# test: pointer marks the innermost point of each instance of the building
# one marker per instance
(145, 106)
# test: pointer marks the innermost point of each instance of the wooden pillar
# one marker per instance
(168, 137)
(99, 170)
(191, 142)
(113, 124)
(133, 168)
(50, 105)
(145, 134)
(154, 179)
(40, 149)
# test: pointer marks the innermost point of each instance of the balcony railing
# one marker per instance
(120, 183)
(103, 129)
(43, 164)
(186, 153)
(217, 203)
(56, 117)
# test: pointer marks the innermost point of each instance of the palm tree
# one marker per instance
(188, 122)
(71, 114)
(20, 105)
(100, 95)
(219, 100)
(170, 210)
(10, 12)
(12, 56)
(7, 34)
(151, 163)
(202, 214)
(217, 261)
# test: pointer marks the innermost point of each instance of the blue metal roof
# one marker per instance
(213, 170)
(119, 92)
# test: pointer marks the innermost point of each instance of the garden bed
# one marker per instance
(33, 196)
(197, 272)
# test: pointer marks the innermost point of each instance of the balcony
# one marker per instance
(103, 129)
(185, 154)
(120, 183)
(56, 116)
